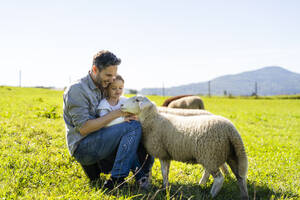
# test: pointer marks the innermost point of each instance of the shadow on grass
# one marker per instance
(179, 191)
(230, 190)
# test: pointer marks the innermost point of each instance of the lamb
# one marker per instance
(184, 101)
(189, 102)
(208, 140)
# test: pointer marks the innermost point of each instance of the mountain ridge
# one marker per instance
(270, 80)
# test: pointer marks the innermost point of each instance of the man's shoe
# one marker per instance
(144, 183)
(92, 171)
(114, 182)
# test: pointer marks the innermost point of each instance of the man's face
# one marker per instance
(106, 76)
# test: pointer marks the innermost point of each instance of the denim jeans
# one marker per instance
(123, 138)
(143, 163)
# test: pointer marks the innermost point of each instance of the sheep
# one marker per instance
(183, 112)
(169, 100)
(184, 101)
(209, 140)
(193, 112)
(189, 102)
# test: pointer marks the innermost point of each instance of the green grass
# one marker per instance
(35, 163)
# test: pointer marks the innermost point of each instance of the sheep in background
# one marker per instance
(169, 100)
(183, 112)
(184, 101)
(208, 140)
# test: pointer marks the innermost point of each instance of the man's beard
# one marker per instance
(97, 80)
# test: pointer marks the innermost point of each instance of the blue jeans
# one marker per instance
(121, 138)
(143, 163)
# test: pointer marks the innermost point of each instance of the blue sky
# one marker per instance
(160, 42)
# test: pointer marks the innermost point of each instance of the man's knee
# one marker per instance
(138, 129)
(136, 125)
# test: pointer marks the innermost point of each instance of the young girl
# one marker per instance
(113, 100)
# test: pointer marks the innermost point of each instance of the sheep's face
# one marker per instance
(136, 104)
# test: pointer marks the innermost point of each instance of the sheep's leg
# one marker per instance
(165, 166)
(218, 183)
(204, 178)
(206, 174)
(224, 169)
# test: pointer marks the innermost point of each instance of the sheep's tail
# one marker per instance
(238, 161)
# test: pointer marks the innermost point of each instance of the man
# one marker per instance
(96, 147)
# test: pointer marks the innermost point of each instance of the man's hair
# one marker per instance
(104, 59)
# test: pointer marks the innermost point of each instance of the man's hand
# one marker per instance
(98, 123)
(129, 116)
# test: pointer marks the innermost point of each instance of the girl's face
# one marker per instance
(115, 89)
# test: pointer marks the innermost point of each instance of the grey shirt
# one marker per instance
(81, 100)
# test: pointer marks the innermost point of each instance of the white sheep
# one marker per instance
(183, 112)
(208, 140)
(192, 112)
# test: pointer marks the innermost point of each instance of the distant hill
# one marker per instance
(270, 81)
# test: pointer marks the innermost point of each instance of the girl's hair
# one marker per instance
(118, 77)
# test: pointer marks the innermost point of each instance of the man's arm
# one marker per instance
(100, 122)
(76, 105)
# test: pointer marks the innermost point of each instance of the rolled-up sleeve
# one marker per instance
(78, 107)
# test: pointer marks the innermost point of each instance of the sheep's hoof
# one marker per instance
(204, 178)
(217, 185)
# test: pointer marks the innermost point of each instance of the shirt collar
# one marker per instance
(91, 82)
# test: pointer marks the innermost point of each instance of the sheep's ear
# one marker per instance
(145, 103)
(140, 98)
(141, 105)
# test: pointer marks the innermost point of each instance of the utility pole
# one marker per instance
(20, 78)
(255, 89)
(163, 90)
(209, 94)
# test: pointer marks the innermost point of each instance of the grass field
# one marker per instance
(35, 163)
